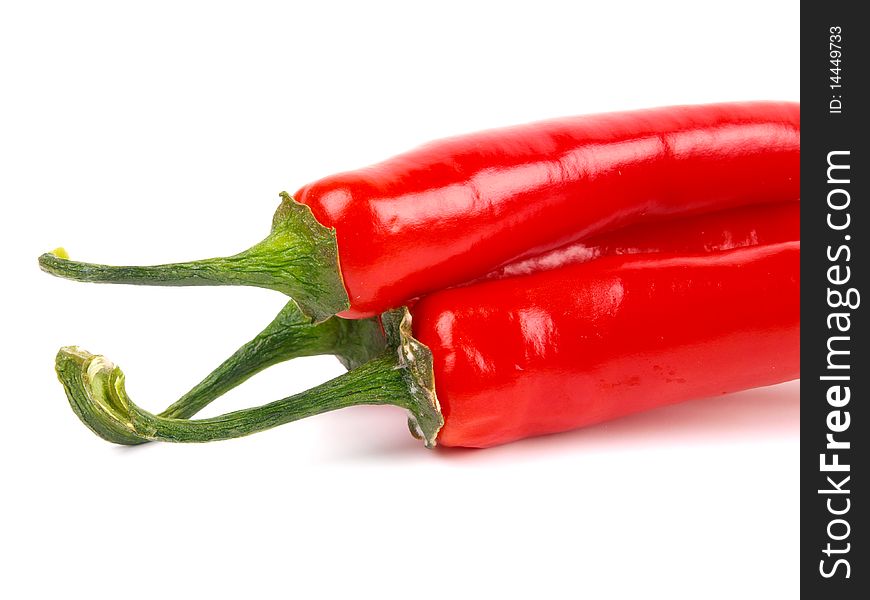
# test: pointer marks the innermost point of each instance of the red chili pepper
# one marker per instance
(572, 347)
(454, 210)
(506, 359)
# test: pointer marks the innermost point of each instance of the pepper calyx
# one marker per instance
(415, 361)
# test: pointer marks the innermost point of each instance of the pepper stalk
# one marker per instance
(299, 258)
(291, 334)
(401, 376)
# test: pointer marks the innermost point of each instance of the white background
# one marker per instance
(165, 131)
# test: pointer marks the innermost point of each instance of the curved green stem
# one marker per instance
(401, 376)
(298, 258)
(291, 334)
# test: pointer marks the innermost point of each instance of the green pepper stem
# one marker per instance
(291, 334)
(401, 376)
(299, 258)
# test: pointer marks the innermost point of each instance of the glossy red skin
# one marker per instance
(453, 210)
(708, 232)
(566, 348)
